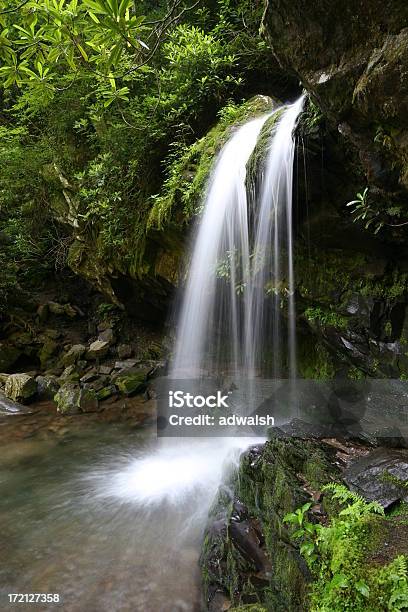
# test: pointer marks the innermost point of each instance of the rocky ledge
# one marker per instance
(253, 558)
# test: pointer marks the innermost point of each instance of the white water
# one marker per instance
(189, 471)
(272, 262)
(213, 319)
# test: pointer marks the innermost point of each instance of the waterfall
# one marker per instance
(227, 318)
(214, 313)
(272, 262)
(224, 318)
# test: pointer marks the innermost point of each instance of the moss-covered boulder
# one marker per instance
(71, 399)
(20, 387)
(131, 380)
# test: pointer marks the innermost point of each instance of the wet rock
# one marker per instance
(88, 400)
(8, 356)
(47, 387)
(9, 407)
(97, 349)
(132, 380)
(379, 476)
(20, 387)
(124, 351)
(71, 399)
(73, 354)
(68, 399)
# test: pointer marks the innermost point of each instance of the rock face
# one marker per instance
(247, 554)
(20, 387)
(352, 57)
(381, 476)
(250, 556)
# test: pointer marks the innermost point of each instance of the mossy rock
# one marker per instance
(20, 387)
(71, 399)
(269, 483)
(131, 381)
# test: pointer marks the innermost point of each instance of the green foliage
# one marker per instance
(373, 215)
(92, 123)
(362, 211)
(337, 556)
(326, 317)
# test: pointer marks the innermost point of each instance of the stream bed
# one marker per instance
(66, 529)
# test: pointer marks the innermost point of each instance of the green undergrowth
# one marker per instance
(346, 558)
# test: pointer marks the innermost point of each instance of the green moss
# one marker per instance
(314, 360)
(188, 168)
(260, 152)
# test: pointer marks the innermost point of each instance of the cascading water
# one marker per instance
(222, 322)
(272, 261)
(214, 314)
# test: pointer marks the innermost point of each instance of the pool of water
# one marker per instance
(67, 527)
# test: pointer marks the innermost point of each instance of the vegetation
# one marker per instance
(82, 178)
(338, 555)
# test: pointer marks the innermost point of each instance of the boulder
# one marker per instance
(47, 387)
(380, 476)
(131, 381)
(71, 399)
(48, 349)
(97, 349)
(73, 354)
(70, 374)
(91, 375)
(20, 387)
(62, 309)
(88, 400)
